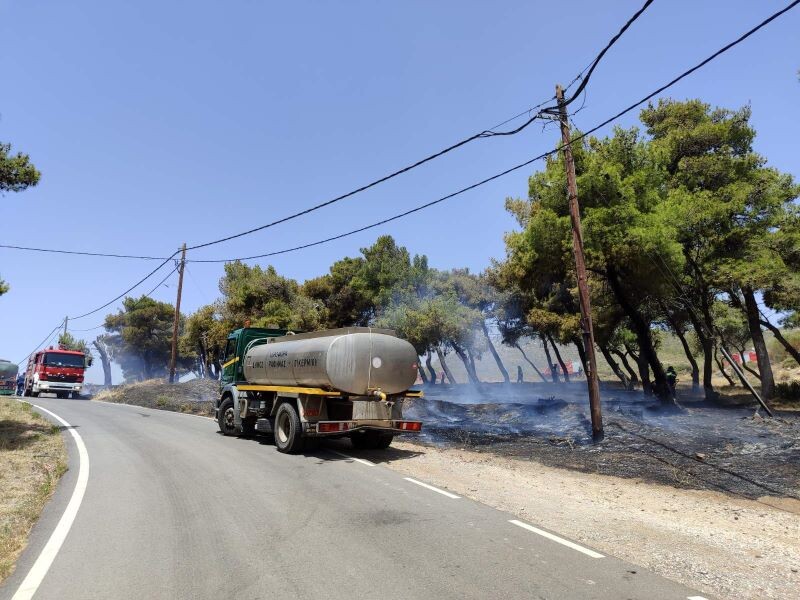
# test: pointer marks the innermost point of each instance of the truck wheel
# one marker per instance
(225, 420)
(371, 440)
(288, 430)
(61, 395)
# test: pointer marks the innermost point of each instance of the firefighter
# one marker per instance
(20, 384)
(672, 379)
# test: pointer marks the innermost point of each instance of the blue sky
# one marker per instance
(155, 123)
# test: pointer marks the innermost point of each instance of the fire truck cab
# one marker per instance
(55, 370)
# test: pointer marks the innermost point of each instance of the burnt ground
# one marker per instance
(697, 446)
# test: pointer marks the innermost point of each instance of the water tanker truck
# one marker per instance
(303, 387)
(8, 378)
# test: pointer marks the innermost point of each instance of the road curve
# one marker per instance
(174, 510)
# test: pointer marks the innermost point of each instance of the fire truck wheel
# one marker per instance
(34, 394)
(288, 430)
(61, 395)
(226, 418)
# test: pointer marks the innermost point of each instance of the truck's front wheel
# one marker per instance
(288, 429)
(225, 418)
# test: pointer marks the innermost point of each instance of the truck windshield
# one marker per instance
(58, 359)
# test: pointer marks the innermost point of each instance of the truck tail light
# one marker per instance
(42, 376)
(409, 425)
(332, 427)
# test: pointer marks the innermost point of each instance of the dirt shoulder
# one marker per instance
(194, 397)
(725, 546)
(32, 459)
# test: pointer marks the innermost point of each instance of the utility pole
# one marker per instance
(174, 355)
(580, 268)
(66, 320)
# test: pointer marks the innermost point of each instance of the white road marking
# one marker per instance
(696, 598)
(363, 461)
(555, 538)
(39, 569)
(435, 489)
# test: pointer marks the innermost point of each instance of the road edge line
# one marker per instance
(432, 488)
(37, 572)
(557, 539)
(363, 461)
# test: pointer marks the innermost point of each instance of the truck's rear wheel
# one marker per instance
(226, 420)
(371, 440)
(288, 429)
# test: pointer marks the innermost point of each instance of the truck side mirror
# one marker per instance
(89, 361)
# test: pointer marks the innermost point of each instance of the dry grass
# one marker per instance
(195, 397)
(32, 459)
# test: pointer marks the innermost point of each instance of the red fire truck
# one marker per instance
(55, 370)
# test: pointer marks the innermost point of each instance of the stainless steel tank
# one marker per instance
(357, 361)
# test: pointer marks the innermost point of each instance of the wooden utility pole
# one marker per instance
(580, 268)
(66, 320)
(174, 355)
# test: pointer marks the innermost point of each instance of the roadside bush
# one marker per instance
(788, 391)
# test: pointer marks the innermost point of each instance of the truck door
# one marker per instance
(230, 361)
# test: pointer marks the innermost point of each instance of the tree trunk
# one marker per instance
(582, 355)
(465, 359)
(741, 352)
(493, 350)
(430, 367)
(641, 328)
(692, 362)
(559, 359)
(614, 366)
(764, 366)
(707, 344)
(473, 369)
(644, 373)
(525, 356)
(550, 364)
(721, 366)
(628, 368)
(105, 362)
(793, 352)
(422, 374)
(445, 368)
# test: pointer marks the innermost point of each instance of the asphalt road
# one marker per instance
(172, 509)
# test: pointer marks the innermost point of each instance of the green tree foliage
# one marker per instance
(737, 216)
(70, 342)
(266, 299)
(357, 289)
(17, 173)
(672, 223)
(140, 337)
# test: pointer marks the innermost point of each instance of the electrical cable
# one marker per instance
(596, 61)
(134, 286)
(42, 343)
(526, 163)
(160, 283)
(78, 252)
(483, 134)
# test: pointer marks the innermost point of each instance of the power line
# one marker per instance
(80, 253)
(611, 42)
(526, 163)
(134, 286)
(483, 134)
(160, 283)
(42, 343)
